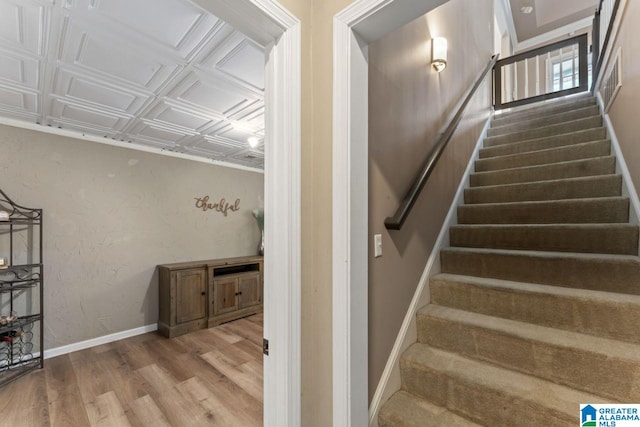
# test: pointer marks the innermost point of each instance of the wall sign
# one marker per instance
(222, 206)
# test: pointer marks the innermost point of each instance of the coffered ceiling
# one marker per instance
(159, 73)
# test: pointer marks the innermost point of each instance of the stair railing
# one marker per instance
(396, 221)
(547, 72)
(603, 21)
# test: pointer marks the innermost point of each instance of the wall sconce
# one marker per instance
(439, 53)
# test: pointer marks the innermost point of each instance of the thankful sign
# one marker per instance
(222, 206)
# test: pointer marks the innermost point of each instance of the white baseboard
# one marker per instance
(390, 379)
(628, 188)
(65, 349)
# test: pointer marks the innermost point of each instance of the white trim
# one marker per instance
(553, 34)
(107, 141)
(94, 342)
(359, 24)
(628, 188)
(390, 379)
(506, 9)
(267, 22)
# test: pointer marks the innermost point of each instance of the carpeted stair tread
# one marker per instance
(558, 189)
(541, 132)
(586, 150)
(406, 410)
(620, 239)
(562, 140)
(607, 210)
(605, 314)
(532, 123)
(487, 394)
(570, 169)
(542, 109)
(576, 360)
(600, 272)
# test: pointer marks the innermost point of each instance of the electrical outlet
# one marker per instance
(377, 245)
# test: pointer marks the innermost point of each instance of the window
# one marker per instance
(563, 71)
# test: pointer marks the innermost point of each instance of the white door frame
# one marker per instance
(363, 22)
(270, 24)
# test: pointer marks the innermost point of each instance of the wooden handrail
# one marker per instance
(396, 221)
(605, 44)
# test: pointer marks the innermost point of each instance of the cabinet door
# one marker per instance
(191, 295)
(224, 295)
(250, 291)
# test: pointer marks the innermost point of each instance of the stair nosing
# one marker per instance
(547, 164)
(519, 122)
(498, 378)
(536, 109)
(545, 254)
(524, 202)
(559, 225)
(547, 150)
(548, 126)
(525, 330)
(558, 136)
(548, 182)
(539, 288)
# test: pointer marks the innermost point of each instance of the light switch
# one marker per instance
(377, 245)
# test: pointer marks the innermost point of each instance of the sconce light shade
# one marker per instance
(439, 53)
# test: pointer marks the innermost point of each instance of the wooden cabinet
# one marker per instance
(197, 295)
(191, 294)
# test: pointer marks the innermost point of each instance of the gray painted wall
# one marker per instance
(408, 105)
(111, 215)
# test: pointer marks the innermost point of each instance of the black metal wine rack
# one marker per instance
(21, 325)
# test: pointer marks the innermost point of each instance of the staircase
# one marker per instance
(537, 308)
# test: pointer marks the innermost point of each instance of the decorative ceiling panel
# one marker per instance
(84, 88)
(160, 73)
(20, 70)
(22, 25)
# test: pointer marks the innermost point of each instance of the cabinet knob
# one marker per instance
(203, 293)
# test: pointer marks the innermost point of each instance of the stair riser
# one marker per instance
(542, 111)
(618, 241)
(568, 127)
(516, 125)
(564, 154)
(407, 410)
(483, 405)
(605, 186)
(599, 317)
(588, 135)
(592, 211)
(610, 275)
(580, 168)
(573, 367)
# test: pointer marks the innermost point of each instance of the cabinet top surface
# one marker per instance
(211, 262)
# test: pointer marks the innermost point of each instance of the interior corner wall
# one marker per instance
(112, 214)
(624, 109)
(409, 104)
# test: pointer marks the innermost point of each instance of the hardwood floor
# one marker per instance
(211, 377)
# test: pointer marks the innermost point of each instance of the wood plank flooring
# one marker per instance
(211, 377)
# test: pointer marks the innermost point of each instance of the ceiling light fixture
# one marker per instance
(526, 9)
(253, 141)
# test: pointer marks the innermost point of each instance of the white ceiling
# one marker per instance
(548, 15)
(159, 73)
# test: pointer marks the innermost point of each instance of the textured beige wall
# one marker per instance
(111, 215)
(408, 105)
(624, 110)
